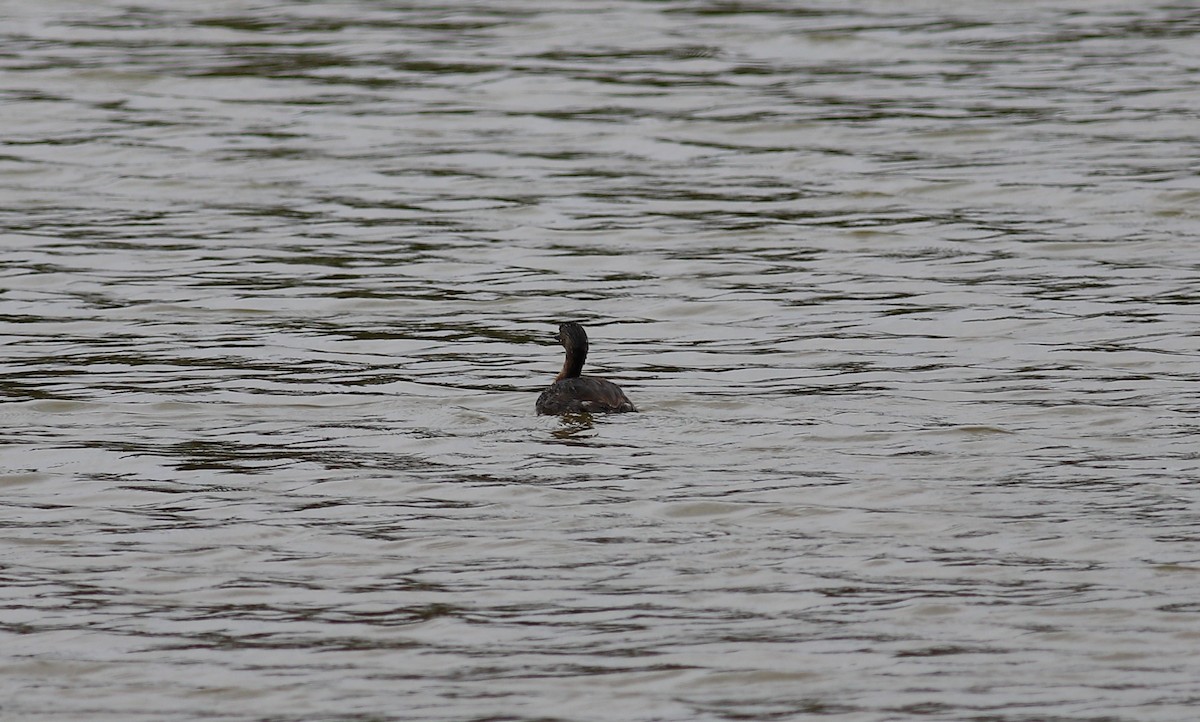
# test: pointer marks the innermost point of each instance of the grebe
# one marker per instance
(573, 394)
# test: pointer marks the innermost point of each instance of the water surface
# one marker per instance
(907, 294)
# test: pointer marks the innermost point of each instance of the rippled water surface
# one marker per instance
(907, 294)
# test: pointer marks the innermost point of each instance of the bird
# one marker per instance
(572, 393)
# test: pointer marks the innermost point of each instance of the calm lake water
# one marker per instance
(908, 295)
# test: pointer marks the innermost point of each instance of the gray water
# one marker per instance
(908, 295)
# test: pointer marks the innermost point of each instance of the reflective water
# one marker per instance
(906, 292)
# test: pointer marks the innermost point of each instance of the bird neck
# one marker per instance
(573, 365)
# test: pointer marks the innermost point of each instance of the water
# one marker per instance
(907, 293)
